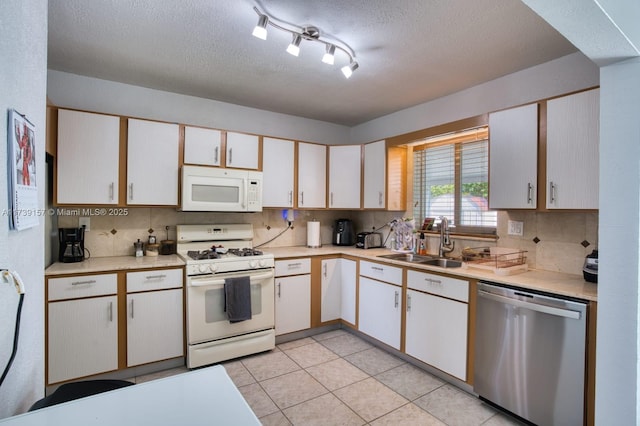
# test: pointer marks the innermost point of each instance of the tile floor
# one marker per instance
(336, 378)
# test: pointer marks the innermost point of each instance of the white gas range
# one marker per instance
(215, 254)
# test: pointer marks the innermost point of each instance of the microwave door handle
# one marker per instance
(244, 195)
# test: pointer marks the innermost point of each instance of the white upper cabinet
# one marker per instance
(87, 158)
(312, 175)
(513, 158)
(242, 151)
(344, 176)
(202, 146)
(277, 172)
(152, 163)
(375, 174)
(573, 130)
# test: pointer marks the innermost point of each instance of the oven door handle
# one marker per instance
(205, 282)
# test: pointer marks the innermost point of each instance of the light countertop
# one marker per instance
(115, 263)
(563, 284)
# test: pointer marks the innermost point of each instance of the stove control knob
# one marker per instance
(253, 264)
(262, 263)
(202, 268)
(213, 268)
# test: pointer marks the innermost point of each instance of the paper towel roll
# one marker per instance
(313, 234)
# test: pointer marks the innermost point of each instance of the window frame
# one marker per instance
(457, 139)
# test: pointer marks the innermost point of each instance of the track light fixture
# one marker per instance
(309, 33)
(294, 47)
(260, 30)
(347, 70)
(328, 55)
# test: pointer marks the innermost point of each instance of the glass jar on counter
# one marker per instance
(152, 249)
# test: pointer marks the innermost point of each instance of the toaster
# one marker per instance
(367, 240)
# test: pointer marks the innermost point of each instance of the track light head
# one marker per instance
(260, 29)
(347, 70)
(328, 56)
(294, 47)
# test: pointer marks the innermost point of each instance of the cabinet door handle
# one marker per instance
(375, 268)
(290, 198)
(111, 191)
(302, 198)
(294, 265)
(380, 198)
(83, 282)
(332, 198)
(432, 281)
(159, 276)
(230, 156)
(279, 290)
(110, 311)
(408, 302)
(132, 308)
(324, 269)
(552, 192)
(215, 155)
(131, 191)
(396, 299)
(529, 193)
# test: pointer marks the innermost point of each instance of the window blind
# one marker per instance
(451, 179)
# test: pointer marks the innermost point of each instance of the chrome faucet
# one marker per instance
(446, 245)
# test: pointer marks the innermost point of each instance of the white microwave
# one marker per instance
(214, 189)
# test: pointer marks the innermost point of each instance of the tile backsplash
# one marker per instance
(553, 241)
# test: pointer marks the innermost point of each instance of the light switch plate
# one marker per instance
(515, 228)
(86, 222)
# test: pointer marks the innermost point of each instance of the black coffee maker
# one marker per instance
(71, 245)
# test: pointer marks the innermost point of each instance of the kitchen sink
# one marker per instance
(423, 260)
(407, 257)
(443, 263)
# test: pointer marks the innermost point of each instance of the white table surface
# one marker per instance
(200, 397)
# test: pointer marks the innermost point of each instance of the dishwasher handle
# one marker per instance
(567, 313)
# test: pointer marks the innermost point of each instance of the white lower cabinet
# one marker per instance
(436, 327)
(338, 292)
(379, 311)
(82, 337)
(154, 326)
(293, 295)
(84, 319)
(348, 290)
(154, 316)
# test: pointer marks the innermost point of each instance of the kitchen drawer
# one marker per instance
(154, 279)
(451, 288)
(80, 286)
(293, 267)
(379, 271)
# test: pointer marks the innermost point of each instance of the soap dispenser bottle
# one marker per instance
(422, 247)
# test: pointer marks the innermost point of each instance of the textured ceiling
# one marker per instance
(409, 51)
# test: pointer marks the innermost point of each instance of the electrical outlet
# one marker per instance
(515, 228)
(86, 222)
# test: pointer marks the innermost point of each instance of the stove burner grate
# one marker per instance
(245, 252)
(205, 254)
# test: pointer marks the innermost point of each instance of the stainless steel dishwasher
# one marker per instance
(530, 354)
